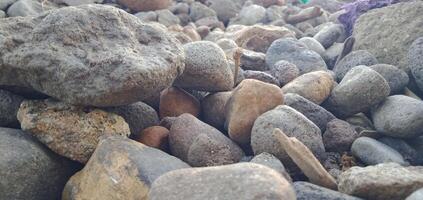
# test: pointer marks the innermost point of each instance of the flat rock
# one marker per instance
(213, 109)
(353, 59)
(339, 136)
(9, 106)
(238, 181)
(380, 182)
(307, 191)
(272, 162)
(199, 144)
(29, 170)
(372, 152)
(124, 62)
(70, 131)
(295, 52)
(396, 78)
(176, 101)
(145, 5)
(120, 168)
(259, 97)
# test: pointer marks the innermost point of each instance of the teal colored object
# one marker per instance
(304, 1)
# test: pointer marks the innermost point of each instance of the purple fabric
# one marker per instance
(357, 8)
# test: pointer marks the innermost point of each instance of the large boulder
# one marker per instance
(29, 170)
(120, 168)
(89, 55)
(403, 23)
(246, 181)
(70, 131)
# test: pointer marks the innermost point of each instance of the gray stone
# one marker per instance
(139, 116)
(199, 144)
(417, 144)
(226, 9)
(399, 116)
(309, 191)
(25, 8)
(180, 8)
(147, 16)
(339, 136)
(199, 10)
(397, 79)
(9, 106)
(249, 15)
(228, 45)
(59, 55)
(261, 76)
(332, 53)
(284, 71)
(372, 152)
(167, 18)
(328, 35)
(272, 162)
(206, 68)
(29, 170)
(6, 3)
(313, 45)
(247, 181)
(415, 61)
(359, 90)
(408, 152)
(353, 59)
(295, 52)
(213, 109)
(251, 60)
(293, 124)
(381, 182)
(78, 2)
(360, 122)
(317, 114)
(2, 14)
(274, 13)
(417, 195)
(120, 168)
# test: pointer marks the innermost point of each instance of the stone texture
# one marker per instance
(293, 124)
(155, 136)
(61, 55)
(372, 152)
(315, 86)
(28, 169)
(23, 8)
(407, 151)
(268, 3)
(359, 90)
(380, 182)
(396, 78)
(418, 194)
(295, 52)
(226, 9)
(251, 60)
(328, 35)
(339, 136)
(78, 2)
(145, 5)
(249, 15)
(9, 106)
(167, 18)
(120, 169)
(307, 191)
(260, 76)
(259, 97)
(353, 59)
(313, 45)
(213, 109)
(390, 48)
(247, 181)
(206, 68)
(415, 63)
(176, 101)
(399, 116)
(199, 144)
(315, 113)
(272, 162)
(6, 3)
(199, 10)
(70, 131)
(284, 71)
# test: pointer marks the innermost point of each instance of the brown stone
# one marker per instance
(155, 136)
(249, 100)
(145, 5)
(175, 101)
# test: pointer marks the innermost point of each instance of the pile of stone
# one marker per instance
(210, 99)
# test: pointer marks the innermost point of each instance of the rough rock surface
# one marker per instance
(353, 59)
(145, 5)
(271, 161)
(396, 78)
(308, 191)
(339, 136)
(415, 61)
(9, 106)
(123, 61)
(70, 131)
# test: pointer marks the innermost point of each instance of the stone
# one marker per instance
(226, 44)
(372, 152)
(417, 144)
(399, 116)
(339, 136)
(305, 160)
(272, 162)
(249, 15)
(313, 45)
(29, 170)
(199, 144)
(251, 60)
(145, 5)
(415, 63)
(147, 16)
(261, 76)
(155, 136)
(226, 9)
(418, 194)
(199, 10)
(328, 35)
(138, 116)
(176, 101)
(396, 78)
(268, 3)
(389, 49)
(275, 13)
(380, 182)
(315, 113)
(84, 71)
(359, 90)
(206, 68)
(246, 181)
(120, 168)
(332, 53)
(284, 71)
(213, 109)
(9, 106)
(295, 52)
(259, 97)
(25, 8)
(257, 37)
(353, 59)
(6, 3)
(167, 18)
(407, 151)
(307, 191)
(211, 22)
(360, 122)
(293, 124)
(78, 2)
(315, 86)
(2, 14)
(70, 131)
(180, 8)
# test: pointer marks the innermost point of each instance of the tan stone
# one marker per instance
(70, 131)
(175, 101)
(315, 86)
(249, 100)
(145, 5)
(155, 136)
(305, 160)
